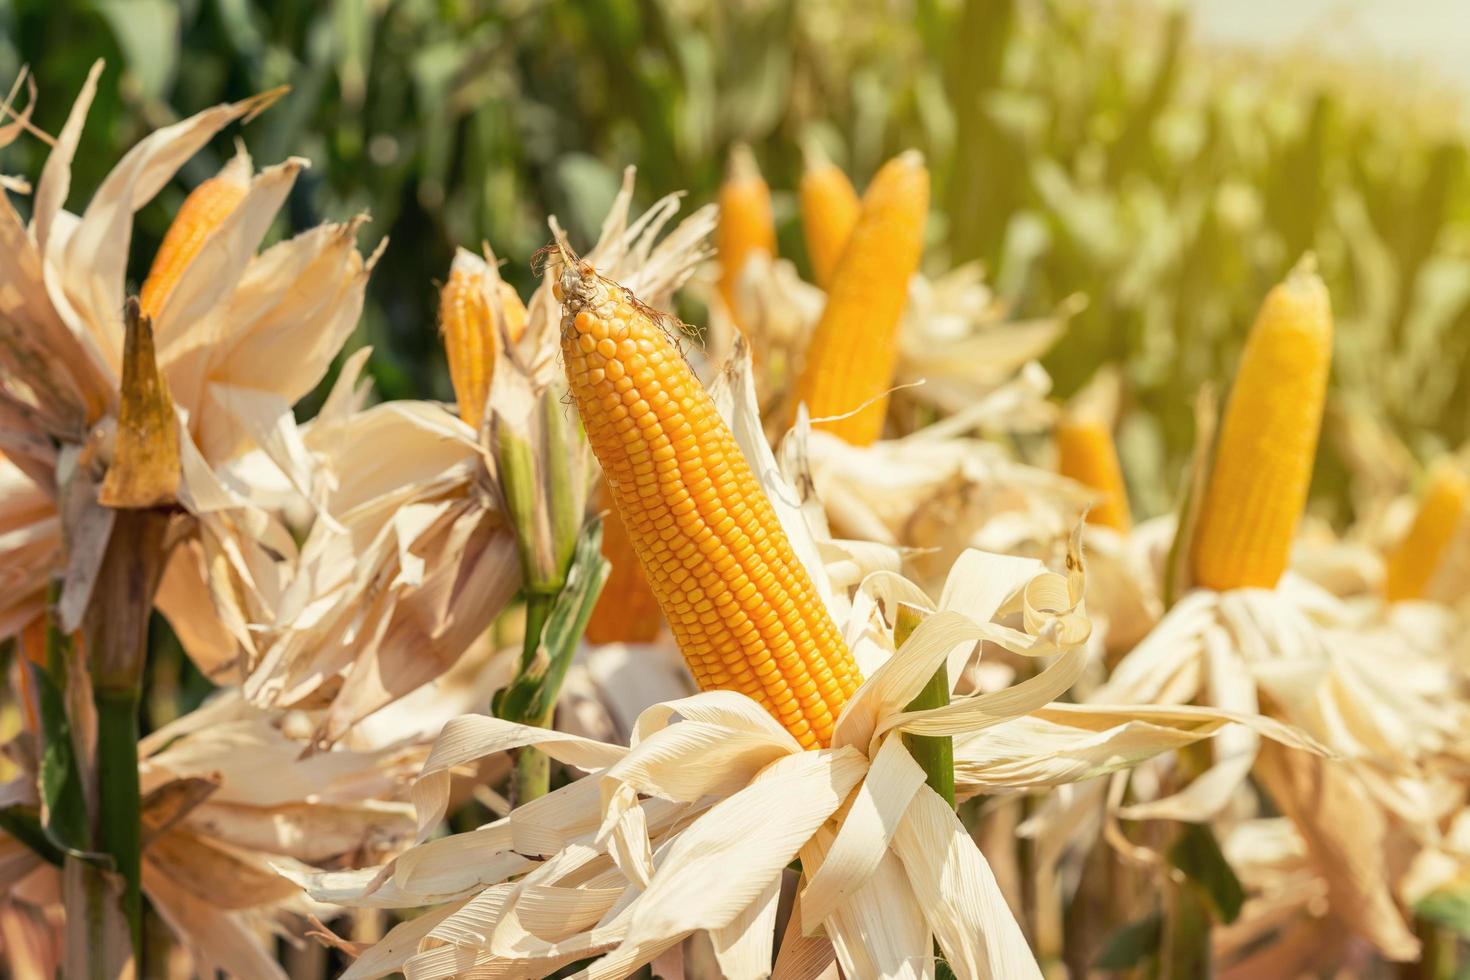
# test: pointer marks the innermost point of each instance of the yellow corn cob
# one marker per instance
(855, 345)
(1268, 438)
(1414, 561)
(627, 611)
(829, 211)
(203, 210)
(467, 321)
(746, 226)
(741, 605)
(1086, 453)
(514, 310)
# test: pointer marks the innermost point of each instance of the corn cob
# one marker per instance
(627, 611)
(1086, 453)
(206, 207)
(513, 309)
(829, 211)
(740, 604)
(467, 321)
(1413, 563)
(1268, 438)
(746, 226)
(849, 364)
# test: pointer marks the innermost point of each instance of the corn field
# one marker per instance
(660, 489)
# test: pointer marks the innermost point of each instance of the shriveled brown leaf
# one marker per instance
(145, 464)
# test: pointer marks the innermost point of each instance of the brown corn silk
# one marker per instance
(741, 606)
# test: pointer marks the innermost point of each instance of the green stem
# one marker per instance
(533, 767)
(120, 830)
(532, 775)
(93, 951)
(1186, 944)
(934, 753)
(115, 630)
(61, 780)
(538, 608)
(1437, 958)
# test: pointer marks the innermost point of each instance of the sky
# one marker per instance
(1425, 34)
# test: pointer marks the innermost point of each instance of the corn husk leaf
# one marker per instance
(145, 465)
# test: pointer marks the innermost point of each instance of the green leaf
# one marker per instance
(533, 692)
(1198, 855)
(1130, 945)
(589, 186)
(1449, 908)
(61, 783)
(147, 31)
(24, 824)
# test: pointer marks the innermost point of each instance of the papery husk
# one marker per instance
(30, 547)
(1351, 855)
(1308, 658)
(29, 941)
(403, 567)
(207, 383)
(956, 345)
(936, 492)
(630, 251)
(227, 798)
(629, 847)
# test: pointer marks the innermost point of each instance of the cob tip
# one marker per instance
(1304, 270)
(912, 158)
(742, 166)
(238, 170)
(465, 262)
(813, 156)
(578, 283)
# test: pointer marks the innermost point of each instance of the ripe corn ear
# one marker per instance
(746, 225)
(740, 604)
(1441, 512)
(1263, 459)
(627, 611)
(829, 212)
(1086, 453)
(850, 361)
(469, 303)
(206, 207)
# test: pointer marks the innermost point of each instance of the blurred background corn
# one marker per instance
(1268, 439)
(746, 226)
(741, 605)
(206, 207)
(849, 363)
(627, 610)
(1080, 147)
(1086, 453)
(829, 211)
(1442, 510)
